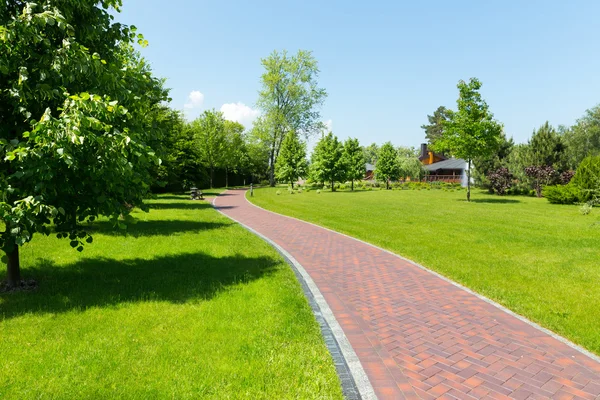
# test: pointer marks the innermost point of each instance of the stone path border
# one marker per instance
(354, 380)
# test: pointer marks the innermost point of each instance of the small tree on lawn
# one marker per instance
(387, 164)
(471, 131)
(291, 163)
(328, 161)
(354, 160)
(540, 176)
(234, 149)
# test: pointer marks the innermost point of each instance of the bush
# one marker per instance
(566, 177)
(587, 178)
(264, 182)
(563, 194)
(585, 209)
(540, 176)
(318, 191)
(500, 180)
(278, 192)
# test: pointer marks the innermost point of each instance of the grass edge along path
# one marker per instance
(512, 250)
(186, 304)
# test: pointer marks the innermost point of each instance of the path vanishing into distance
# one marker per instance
(416, 334)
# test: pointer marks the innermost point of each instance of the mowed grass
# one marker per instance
(187, 305)
(537, 259)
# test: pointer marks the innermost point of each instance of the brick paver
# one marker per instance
(417, 335)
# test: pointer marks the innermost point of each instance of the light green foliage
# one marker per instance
(370, 153)
(76, 102)
(327, 161)
(583, 139)
(235, 156)
(291, 163)
(587, 179)
(387, 167)
(494, 247)
(471, 131)
(411, 167)
(354, 160)
(437, 123)
(290, 99)
(175, 308)
(500, 158)
(209, 133)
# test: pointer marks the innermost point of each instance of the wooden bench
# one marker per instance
(196, 194)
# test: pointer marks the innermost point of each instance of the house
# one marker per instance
(369, 172)
(442, 168)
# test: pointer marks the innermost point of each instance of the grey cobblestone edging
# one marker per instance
(353, 378)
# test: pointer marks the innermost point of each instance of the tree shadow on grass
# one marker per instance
(155, 228)
(495, 201)
(103, 282)
(197, 205)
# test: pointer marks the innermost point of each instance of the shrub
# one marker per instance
(264, 182)
(341, 186)
(500, 180)
(278, 192)
(562, 194)
(318, 191)
(585, 209)
(566, 177)
(587, 178)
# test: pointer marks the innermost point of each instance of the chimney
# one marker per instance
(423, 150)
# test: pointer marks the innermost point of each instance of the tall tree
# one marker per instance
(290, 99)
(410, 167)
(583, 139)
(354, 160)
(546, 148)
(437, 123)
(471, 131)
(328, 161)
(291, 163)
(370, 152)
(209, 131)
(74, 129)
(234, 149)
(387, 164)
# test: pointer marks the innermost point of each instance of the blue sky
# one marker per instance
(386, 64)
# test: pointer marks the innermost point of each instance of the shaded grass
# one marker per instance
(537, 259)
(186, 304)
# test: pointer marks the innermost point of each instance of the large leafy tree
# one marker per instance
(370, 153)
(234, 149)
(387, 167)
(471, 131)
(209, 132)
(354, 160)
(546, 148)
(74, 129)
(583, 138)
(290, 99)
(291, 163)
(328, 161)
(411, 167)
(437, 122)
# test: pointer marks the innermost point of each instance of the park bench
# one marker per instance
(196, 194)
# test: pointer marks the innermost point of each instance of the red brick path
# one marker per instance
(417, 335)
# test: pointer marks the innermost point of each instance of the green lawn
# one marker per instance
(537, 259)
(187, 305)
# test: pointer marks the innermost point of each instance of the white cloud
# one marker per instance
(195, 100)
(239, 112)
(328, 126)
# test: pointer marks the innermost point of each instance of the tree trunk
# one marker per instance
(212, 173)
(272, 171)
(226, 178)
(352, 185)
(387, 184)
(469, 181)
(13, 268)
(332, 186)
(292, 182)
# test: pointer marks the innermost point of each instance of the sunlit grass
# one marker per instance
(186, 305)
(538, 259)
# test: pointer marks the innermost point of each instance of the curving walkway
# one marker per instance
(416, 334)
